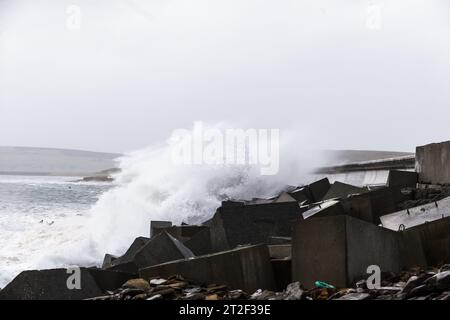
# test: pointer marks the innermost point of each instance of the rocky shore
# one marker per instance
(322, 241)
(414, 284)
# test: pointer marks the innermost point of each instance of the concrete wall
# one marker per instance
(246, 268)
(433, 163)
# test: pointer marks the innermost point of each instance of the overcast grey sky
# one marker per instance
(349, 74)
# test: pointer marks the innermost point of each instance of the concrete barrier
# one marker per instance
(52, 284)
(158, 226)
(252, 224)
(319, 189)
(200, 243)
(417, 215)
(342, 190)
(402, 179)
(161, 248)
(280, 251)
(433, 163)
(282, 273)
(338, 250)
(435, 240)
(246, 268)
(368, 206)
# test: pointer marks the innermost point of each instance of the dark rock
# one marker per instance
(140, 284)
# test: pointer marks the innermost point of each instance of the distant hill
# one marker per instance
(25, 160)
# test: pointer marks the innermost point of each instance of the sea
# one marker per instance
(40, 217)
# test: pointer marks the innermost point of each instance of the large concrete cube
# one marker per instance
(433, 163)
(52, 284)
(252, 224)
(342, 190)
(403, 179)
(161, 248)
(339, 249)
(435, 240)
(246, 268)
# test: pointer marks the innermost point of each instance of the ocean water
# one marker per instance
(40, 217)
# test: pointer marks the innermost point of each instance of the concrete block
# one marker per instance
(184, 233)
(246, 268)
(200, 243)
(338, 250)
(158, 226)
(302, 194)
(285, 197)
(161, 248)
(50, 285)
(324, 209)
(110, 280)
(279, 240)
(108, 260)
(342, 190)
(433, 163)
(282, 273)
(252, 224)
(319, 189)
(232, 203)
(435, 240)
(280, 251)
(368, 206)
(403, 179)
(412, 217)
